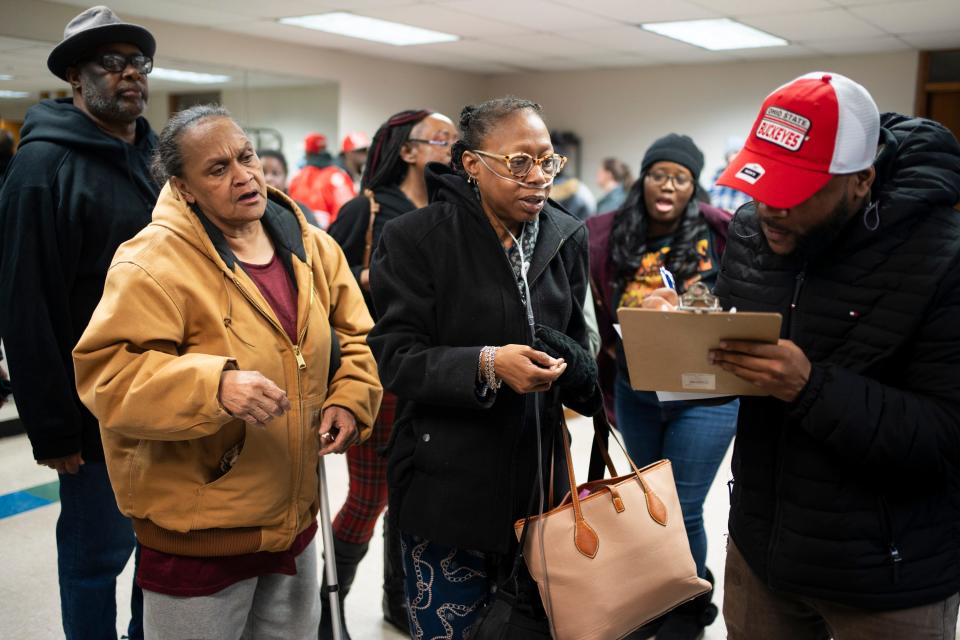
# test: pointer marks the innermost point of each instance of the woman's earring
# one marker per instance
(472, 180)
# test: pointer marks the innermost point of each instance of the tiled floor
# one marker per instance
(29, 603)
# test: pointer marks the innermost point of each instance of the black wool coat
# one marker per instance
(852, 492)
(353, 220)
(462, 469)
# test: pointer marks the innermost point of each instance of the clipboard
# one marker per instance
(667, 350)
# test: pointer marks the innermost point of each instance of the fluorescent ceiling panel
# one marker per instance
(14, 94)
(176, 75)
(4, 76)
(715, 35)
(354, 26)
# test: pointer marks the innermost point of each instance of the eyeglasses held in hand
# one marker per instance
(116, 62)
(520, 163)
(660, 178)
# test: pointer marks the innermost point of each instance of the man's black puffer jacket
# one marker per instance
(851, 493)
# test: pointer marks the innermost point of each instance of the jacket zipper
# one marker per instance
(892, 550)
(777, 511)
(301, 366)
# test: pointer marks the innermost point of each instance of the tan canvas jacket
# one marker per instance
(173, 315)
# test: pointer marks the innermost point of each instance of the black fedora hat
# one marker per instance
(92, 28)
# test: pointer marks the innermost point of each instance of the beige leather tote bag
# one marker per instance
(608, 563)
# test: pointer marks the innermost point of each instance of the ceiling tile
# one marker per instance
(834, 23)
(552, 45)
(693, 55)
(477, 66)
(637, 12)
(193, 13)
(926, 16)
(309, 37)
(853, 3)
(774, 53)
(934, 40)
(632, 39)
(734, 8)
(447, 20)
(355, 5)
(637, 41)
(541, 14)
(481, 51)
(557, 64)
(618, 60)
(845, 46)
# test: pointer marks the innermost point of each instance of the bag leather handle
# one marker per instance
(368, 239)
(655, 506)
(585, 538)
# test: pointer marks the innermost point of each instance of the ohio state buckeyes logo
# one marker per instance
(783, 128)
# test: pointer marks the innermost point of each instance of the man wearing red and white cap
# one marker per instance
(353, 154)
(321, 185)
(844, 517)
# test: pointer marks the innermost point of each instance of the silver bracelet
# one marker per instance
(488, 356)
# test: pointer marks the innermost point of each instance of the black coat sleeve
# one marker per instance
(912, 427)
(584, 401)
(404, 341)
(37, 240)
(350, 232)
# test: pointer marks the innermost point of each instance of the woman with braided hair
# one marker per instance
(392, 185)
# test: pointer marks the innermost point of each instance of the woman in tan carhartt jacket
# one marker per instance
(208, 364)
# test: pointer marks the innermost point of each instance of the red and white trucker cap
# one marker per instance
(817, 126)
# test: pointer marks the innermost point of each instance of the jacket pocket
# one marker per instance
(255, 490)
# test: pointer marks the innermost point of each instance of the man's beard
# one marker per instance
(817, 240)
(109, 107)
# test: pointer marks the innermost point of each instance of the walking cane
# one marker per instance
(332, 590)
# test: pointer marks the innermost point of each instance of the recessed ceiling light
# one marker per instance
(354, 26)
(4, 76)
(176, 75)
(715, 35)
(14, 94)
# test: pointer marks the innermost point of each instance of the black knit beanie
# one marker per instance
(675, 148)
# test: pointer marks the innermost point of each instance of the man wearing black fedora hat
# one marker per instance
(78, 187)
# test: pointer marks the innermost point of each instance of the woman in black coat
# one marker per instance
(454, 344)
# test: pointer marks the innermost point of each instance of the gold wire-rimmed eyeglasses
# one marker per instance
(520, 164)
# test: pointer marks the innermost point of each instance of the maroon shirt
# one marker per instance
(188, 577)
(276, 286)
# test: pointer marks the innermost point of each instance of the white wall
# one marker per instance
(293, 111)
(620, 112)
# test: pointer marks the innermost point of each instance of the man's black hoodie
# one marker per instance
(71, 196)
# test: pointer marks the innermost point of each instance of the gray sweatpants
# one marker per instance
(273, 606)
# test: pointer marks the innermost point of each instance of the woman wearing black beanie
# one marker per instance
(663, 224)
